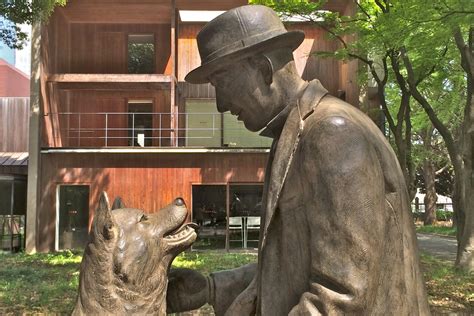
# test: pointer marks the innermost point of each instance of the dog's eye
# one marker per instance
(143, 218)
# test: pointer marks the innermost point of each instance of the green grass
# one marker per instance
(440, 230)
(47, 283)
(41, 283)
(207, 262)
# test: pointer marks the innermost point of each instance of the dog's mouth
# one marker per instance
(184, 235)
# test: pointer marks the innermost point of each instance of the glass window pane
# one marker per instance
(141, 53)
(5, 197)
(236, 135)
(19, 206)
(203, 124)
(209, 212)
(140, 123)
(73, 216)
(246, 207)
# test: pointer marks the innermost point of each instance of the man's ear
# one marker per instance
(264, 64)
(103, 222)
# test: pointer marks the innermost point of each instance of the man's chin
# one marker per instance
(252, 127)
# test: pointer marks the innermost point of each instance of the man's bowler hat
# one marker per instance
(237, 34)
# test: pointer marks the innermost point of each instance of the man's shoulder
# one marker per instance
(335, 115)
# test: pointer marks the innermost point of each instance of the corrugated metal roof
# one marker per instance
(13, 159)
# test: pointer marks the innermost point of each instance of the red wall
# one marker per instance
(13, 82)
(146, 181)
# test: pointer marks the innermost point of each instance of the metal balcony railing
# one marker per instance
(151, 129)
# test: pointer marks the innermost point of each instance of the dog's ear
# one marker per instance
(118, 203)
(103, 222)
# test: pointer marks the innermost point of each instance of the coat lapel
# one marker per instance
(286, 148)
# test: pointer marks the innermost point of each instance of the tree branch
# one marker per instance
(467, 57)
(442, 129)
(433, 68)
(362, 9)
(381, 6)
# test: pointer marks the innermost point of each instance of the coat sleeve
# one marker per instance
(346, 217)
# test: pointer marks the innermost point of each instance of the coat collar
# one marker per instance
(286, 146)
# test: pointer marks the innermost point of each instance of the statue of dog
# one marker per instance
(126, 261)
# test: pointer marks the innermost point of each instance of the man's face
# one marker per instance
(241, 89)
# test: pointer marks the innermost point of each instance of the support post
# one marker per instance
(34, 141)
(173, 105)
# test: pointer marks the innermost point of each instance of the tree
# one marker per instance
(451, 21)
(423, 45)
(372, 51)
(23, 12)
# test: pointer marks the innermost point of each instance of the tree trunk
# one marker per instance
(465, 255)
(429, 175)
(430, 196)
(465, 235)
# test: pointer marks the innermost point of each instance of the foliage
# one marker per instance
(442, 215)
(141, 58)
(448, 289)
(443, 182)
(439, 230)
(23, 12)
(416, 50)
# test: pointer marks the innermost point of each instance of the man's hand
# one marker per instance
(187, 290)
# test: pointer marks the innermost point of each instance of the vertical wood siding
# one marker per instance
(14, 115)
(145, 181)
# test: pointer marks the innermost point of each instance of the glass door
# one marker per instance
(228, 215)
(73, 216)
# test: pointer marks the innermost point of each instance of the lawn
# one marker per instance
(439, 230)
(47, 283)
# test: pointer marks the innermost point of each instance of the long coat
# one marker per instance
(337, 234)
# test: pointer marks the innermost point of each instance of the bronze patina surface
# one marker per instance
(337, 235)
(125, 264)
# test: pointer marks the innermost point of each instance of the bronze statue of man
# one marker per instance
(337, 234)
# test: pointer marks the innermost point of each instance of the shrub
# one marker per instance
(442, 215)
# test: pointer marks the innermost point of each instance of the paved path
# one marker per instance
(438, 246)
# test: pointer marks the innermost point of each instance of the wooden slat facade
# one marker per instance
(90, 50)
(145, 181)
(14, 113)
(84, 70)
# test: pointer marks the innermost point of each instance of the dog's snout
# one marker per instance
(179, 202)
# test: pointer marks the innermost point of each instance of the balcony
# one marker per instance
(112, 81)
(152, 129)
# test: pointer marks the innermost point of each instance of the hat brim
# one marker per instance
(291, 39)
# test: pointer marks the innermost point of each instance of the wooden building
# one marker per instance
(111, 112)
(14, 112)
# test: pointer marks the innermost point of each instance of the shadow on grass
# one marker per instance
(40, 283)
(449, 290)
(47, 283)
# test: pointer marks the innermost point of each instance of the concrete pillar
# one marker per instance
(34, 141)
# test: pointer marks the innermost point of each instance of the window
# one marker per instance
(141, 53)
(73, 216)
(217, 229)
(12, 186)
(140, 122)
(207, 127)
(209, 212)
(203, 124)
(12, 216)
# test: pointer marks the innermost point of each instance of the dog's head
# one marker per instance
(138, 249)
